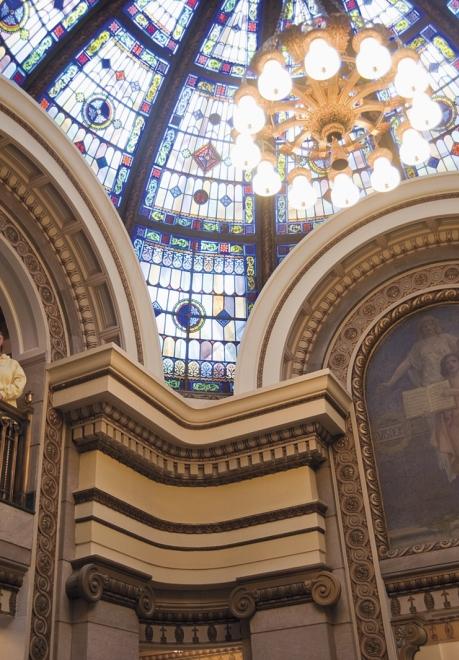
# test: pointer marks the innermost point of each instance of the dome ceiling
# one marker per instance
(144, 91)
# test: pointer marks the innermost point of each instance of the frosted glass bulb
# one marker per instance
(344, 191)
(373, 59)
(248, 117)
(385, 176)
(414, 149)
(411, 77)
(425, 113)
(266, 181)
(322, 61)
(245, 154)
(274, 82)
(301, 193)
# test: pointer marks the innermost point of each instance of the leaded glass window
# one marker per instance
(453, 6)
(232, 39)
(192, 182)
(29, 29)
(398, 15)
(102, 100)
(201, 292)
(295, 12)
(164, 21)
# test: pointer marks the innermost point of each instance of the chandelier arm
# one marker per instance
(305, 97)
(286, 125)
(370, 88)
(304, 135)
(372, 106)
(318, 91)
(350, 84)
(283, 106)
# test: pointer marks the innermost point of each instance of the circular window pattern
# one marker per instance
(189, 315)
(201, 197)
(98, 112)
(448, 110)
(13, 15)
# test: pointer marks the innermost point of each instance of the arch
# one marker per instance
(268, 335)
(60, 204)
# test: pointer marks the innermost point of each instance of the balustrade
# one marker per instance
(14, 454)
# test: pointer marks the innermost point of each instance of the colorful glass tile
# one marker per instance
(29, 29)
(232, 40)
(194, 155)
(102, 99)
(295, 12)
(201, 293)
(453, 6)
(164, 21)
(398, 15)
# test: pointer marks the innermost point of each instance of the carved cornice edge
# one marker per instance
(105, 581)
(421, 582)
(11, 579)
(120, 506)
(323, 588)
(409, 636)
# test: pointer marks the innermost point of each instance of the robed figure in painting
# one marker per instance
(12, 377)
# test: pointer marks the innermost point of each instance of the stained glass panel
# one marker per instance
(192, 182)
(164, 21)
(397, 15)
(201, 292)
(29, 29)
(232, 39)
(102, 99)
(295, 12)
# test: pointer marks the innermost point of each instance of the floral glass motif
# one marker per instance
(295, 12)
(232, 39)
(28, 29)
(398, 15)
(192, 182)
(201, 292)
(102, 99)
(164, 21)
(453, 6)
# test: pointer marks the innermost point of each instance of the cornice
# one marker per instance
(120, 506)
(11, 579)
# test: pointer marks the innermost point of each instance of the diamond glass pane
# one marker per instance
(164, 21)
(201, 293)
(192, 182)
(453, 6)
(29, 29)
(102, 99)
(232, 39)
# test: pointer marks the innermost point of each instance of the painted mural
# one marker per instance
(412, 396)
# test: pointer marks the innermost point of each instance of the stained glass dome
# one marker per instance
(144, 90)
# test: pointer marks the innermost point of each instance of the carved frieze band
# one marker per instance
(324, 589)
(360, 557)
(101, 427)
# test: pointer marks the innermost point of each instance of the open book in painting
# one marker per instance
(427, 400)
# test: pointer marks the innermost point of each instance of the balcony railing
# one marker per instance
(14, 455)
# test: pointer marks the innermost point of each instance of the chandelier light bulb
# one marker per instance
(373, 59)
(248, 117)
(274, 83)
(385, 176)
(266, 182)
(414, 149)
(322, 61)
(425, 114)
(301, 194)
(245, 153)
(411, 78)
(344, 191)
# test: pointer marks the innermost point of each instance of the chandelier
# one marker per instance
(321, 92)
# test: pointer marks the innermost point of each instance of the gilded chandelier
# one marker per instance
(323, 92)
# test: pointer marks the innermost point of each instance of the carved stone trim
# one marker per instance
(421, 582)
(405, 249)
(409, 637)
(360, 558)
(324, 589)
(96, 495)
(93, 582)
(11, 579)
(375, 333)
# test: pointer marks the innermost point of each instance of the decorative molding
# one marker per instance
(412, 245)
(101, 581)
(421, 581)
(11, 579)
(372, 337)
(409, 637)
(120, 506)
(48, 506)
(324, 589)
(360, 557)
(101, 427)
